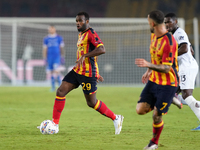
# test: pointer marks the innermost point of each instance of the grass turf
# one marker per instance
(23, 108)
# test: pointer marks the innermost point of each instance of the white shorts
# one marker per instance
(187, 77)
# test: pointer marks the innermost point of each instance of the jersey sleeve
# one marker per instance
(45, 43)
(181, 37)
(94, 39)
(168, 52)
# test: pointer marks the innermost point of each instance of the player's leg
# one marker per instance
(52, 81)
(60, 99)
(51, 69)
(69, 83)
(58, 76)
(163, 96)
(89, 86)
(187, 85)
(56, 68)
(99, 106)
(176, 101)
(157, 129)
(146, 102)
(181, 99)
(192, 103)
(104, 110)
(143, 108)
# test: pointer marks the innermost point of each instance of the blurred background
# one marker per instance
(103, 8)
(121, 24)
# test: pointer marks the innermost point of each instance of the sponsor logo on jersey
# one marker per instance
(181, 37)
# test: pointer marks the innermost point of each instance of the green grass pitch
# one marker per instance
(82, 128)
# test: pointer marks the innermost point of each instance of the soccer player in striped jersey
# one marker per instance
(161, 75)
(188, 67)
(53, 54)
(85, 73)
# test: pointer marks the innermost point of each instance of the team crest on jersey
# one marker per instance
(181, 37)
(158, 46)
(80, 39)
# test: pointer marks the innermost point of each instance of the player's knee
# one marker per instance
(60, 92)
(140, 111)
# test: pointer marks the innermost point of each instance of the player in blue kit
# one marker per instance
(53, 54)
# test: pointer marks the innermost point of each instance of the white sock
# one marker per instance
(181, 99)
(193, 104)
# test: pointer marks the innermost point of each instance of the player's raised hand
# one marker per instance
(140, 62)
(100, 78)
(80, 61)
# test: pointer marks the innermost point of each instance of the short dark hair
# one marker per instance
(85, 14)
(157, 16)
(171, 15)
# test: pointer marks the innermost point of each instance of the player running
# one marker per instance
(188, 67)
(85, 73)
(161, 75)
(53, 54)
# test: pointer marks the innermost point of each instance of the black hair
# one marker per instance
(85, 14)
(171, 15)
(157, 16)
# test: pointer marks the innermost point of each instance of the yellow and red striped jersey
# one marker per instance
(164, 50)
(88, 40)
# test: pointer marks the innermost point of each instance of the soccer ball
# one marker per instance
(48, 127)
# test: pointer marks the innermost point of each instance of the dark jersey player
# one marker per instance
(161, 75)
(85, 73)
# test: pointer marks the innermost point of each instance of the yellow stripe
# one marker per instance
(163, 77)
(97, 104)
(158, 125)
(57, 97)
(163, 45)
(167, 63)
(156, 76)
(99, 45)
(92, 92)
(87, 66)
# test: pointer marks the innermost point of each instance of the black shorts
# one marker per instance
(160, 96)
(89, 84)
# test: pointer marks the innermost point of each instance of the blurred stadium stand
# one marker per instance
(187, 9)
(104, 8)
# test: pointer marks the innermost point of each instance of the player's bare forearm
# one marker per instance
(96, 52)
(182, 49)
(191, 49)
(62, 51)
(148, 70)
(44, 53)
(140, 62)
(159, 68)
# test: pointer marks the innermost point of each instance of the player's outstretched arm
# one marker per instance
(140, 62)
